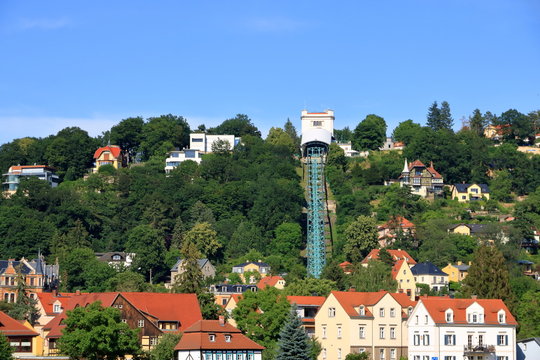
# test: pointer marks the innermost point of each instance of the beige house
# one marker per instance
(207, 269)
(401, 272)
(457, 272)
(252, 266)
(469, 192)
(354, 322)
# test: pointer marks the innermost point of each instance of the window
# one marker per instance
(475, 318)
(196, 140)
(331, 312)
(227, 338)
(324, 353)
(417, 339)
(381, 332)
(224, 301)
(502, 340)
(120, 306)
(502, 317)
(339, 353)
(449, 358)
(469, 340)
(425, 339)
(392, 312)
(416, 319)
(502, 357)
(426, 320)
(426, 357)
(381, 312)
(212, 337)
(480, 340)
(140, 323)
(410, 307)
(450, 339)
(449, 317)
(416, 357)
(324, 332)
(153, 341)
(317, 123)
(57, 308)
(116, 257)
(381, 354)
(339, 332)
(392, 354)
(362, 332)
(239, 289)
(392, 333)
(362, 311)
(124, 321)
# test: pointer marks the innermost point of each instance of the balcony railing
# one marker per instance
(479, 349)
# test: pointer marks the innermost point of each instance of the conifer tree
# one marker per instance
(445, 117)
(385, 257)
(477, 122)
(433, 116)
(191, 279)
(5, 349)
(293, 341)
(25, 308)
(291, 131)
(488, 276)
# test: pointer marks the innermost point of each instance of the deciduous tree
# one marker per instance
(370, 133)
(361, 237)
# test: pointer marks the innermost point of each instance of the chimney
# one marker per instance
(351, 289)
(474, 297)
(459, 263)
(221, 320)
(77, 292)
(55, 292)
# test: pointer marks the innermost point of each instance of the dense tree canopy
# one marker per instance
(370, 133)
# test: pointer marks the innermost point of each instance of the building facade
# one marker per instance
(251, 266)
(429, 274)
(457, 272)
(109, 155)
(177, 157)
(470, 192)
(204, 142)
(15, 173)
(423, 180)
(461, 329)
(207, 269)
(37, 275)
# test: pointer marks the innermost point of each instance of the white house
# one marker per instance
(216, 339)
(204, 142)
(178, 156)
(461, 329)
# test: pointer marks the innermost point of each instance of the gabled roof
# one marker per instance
(20, 168)
(399, 221)
(427, 268)
(179, 262)
(346, 266)
(108, 256)
(115, 150)
(259, 264)
(197, 337)
(437, 306)
(268, 281)
(232, 288)
(475, 228)
(462, 188)
(416, 163)
(396, 268)
(48, 299)
(349, 300)
(396, 255)
(434, 172)
(11, 327)
(16, 265)
(306, 300)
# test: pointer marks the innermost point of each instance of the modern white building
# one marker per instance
(15, 173)
(176, 157)
(204, 142)
(317, 128)
(442, 328)
(350, 152)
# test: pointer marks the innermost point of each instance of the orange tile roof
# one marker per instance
(416, 163)
(437, 306)
(399, 221)
(306, 300)
(268, 281)
(396, 267)
(351, 299)
(11, 327)
(434, 172)
(396, 255)
(21, 167)
(403, 299)
(197, 337)
(47, 300)
(346, 266)
(115, 150)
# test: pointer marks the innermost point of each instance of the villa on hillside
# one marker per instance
(423, 180)
(15, 174)
(109, 155)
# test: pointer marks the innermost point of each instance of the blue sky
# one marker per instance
(92, 63)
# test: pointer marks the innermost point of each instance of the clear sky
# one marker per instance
(92, 63)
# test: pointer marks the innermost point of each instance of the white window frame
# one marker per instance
(140, 323)
(392, 312)
(381, 312)
(381, 332)
(361, 332)
(392, 333)
(331, 312)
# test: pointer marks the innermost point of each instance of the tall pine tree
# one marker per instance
(190, 280)
(433, 116)
(445, 117)
(293, 340)
(477, 122)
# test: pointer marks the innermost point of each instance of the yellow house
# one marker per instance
(252, 266)
(401, 272)
(354, 322)
(470, 192)
(457, 272)
(108, 155)
(231, 305)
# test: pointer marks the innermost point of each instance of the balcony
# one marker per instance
(478, 349)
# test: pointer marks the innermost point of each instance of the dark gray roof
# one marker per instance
(108, 256)
(427, 268)
(259, 264)
(535, 339)
(462, 188)
(179, 262)
(233, 288)
(5, 263)
(475, 228)
(462, 267)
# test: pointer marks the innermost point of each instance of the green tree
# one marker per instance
(291, 131)
(343, 135)
(288, 239)
(385, 257)
(164, 350)
(25, 307)
(370, 133)
(127, 281)
(374, 277)
(501, 186)
(161, 134)
(477, 122)
(191, 279)
(357, 356)
(209, 309)
(445, 117)
(277, 136)
(293, 341)
(6, 351)
(128, 135)
(488, 276)
(528, 315)
(336, 157)
(148, 245)
(311, 287)
(361, 237)
(246, 237)
(240, 125)
(440, 118)
(406, 131)
(520, 127)
(97, 333)
(205, 239)
(201, 213)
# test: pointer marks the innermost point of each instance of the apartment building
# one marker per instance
(355, 322)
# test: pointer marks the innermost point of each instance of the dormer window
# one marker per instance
(212, 337)
(362, 311)
(116, 257)
(227, 338)
(239, 289)
(502, 317)
(57, 308)
(449, 316)
(410, 310)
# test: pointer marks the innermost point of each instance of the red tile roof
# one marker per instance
(11, 327)
(396, 255)
(396, 267)
(306, 300)
(197, 337)
(399, 221)
(346, 266)
(437, 306)
(416, 163)
(268, 281)
(115, 150)
(350, 299)
(48, 299)
(434, 172)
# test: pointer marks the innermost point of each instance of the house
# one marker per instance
(349, 151)
(496, 132)
(354, 322)
(457, 272)
(469, 192)
(306, 308)
(223, 292)
(216, 339)
(423, 180)
(37, 275)
(429, 274)
(388, 231)
(402, 273)
(154, 314)
(15, 173)
(205, 143)
(109, 155)
(208, 270)
(395, 254)
(469, 329)
(488, 232)
(528, 349)
(24, 341)
(116, 259)
(273, 281)
(389, 145)
(347, 267)
(528, 269)
(262, 268)
(231, 304)
(51, 304)
(177, 157)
